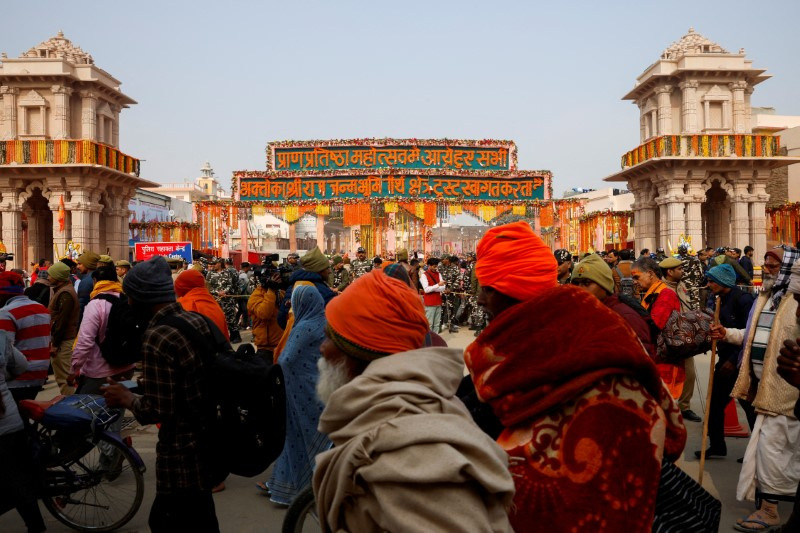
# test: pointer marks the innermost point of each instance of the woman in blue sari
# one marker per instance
(298, 360)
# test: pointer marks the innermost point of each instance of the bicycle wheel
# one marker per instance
(100, 491)
(301, 517)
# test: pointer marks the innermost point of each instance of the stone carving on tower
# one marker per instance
(698, 171)
(59, 140)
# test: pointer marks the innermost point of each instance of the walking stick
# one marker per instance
(708, 394)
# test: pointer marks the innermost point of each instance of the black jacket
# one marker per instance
(734, 310)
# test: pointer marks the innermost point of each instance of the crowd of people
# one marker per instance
(381, 419)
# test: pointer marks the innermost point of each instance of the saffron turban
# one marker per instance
(515, 261)
(188, 280)
(393, 321)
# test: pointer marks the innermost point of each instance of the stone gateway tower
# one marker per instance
(699, 172)
(62, 176)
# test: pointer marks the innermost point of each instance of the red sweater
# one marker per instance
(28, 325)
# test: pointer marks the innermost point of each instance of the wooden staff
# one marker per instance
(708, 394)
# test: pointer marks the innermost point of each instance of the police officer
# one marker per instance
(361, 265)
(339, 277)
(220, 285)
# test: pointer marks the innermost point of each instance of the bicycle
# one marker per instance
(301, 516)
(90, 478)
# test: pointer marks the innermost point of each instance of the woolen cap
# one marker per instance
(670, 262)
(314, 260)
(58, 272)
(11, 283)
(722, 275)
(337, 259)
(594, 268)
(402, 254)
(150, 282)
(105, 259)
(89, 260)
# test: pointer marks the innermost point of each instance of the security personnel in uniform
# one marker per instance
(361, 265)
(339, 277)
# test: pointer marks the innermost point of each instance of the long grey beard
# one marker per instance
(767, 283)
(331, 378)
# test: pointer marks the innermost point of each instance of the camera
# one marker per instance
(6, 257)
(264, 273)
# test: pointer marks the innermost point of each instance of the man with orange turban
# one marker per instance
(406, 456)
(558, 369)
(190, 288)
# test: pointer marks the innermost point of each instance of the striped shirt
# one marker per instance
(28, 326)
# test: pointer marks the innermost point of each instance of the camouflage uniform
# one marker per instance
(451, 275)
(478, 316)
(339, 279)
(360, 267)
(693, 278)
(222, 282)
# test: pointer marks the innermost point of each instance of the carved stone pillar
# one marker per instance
(321, 232)
(739, 111)
(292, 238)
(694, 215)
(758, 215)
(644, 214)
(57, 191)
(34, 245)
(642, 122)
(115, 126)
(85, 212)
(8, 113)
(88, 115)
(664, 110)
(748, 111)
(689, 106)
(740, 215)
(12, 221)
(61, 113)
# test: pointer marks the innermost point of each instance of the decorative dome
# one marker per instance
(692, 43)
(59, 47)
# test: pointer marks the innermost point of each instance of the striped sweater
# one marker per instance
(28, 325)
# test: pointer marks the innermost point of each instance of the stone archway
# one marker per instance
(716, 213)
(37, 233)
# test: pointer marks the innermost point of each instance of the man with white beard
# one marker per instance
(407, 455)
(771, 467)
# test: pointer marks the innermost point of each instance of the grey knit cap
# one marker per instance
(150, 282)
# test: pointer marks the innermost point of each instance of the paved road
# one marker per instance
(241, 508)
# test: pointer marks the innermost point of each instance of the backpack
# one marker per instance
(631, 302)
(684, 335)
(625, 283)
(122, 345)
(246, 416)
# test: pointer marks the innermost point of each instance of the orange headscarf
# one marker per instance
(377, 315)
(190, 287)
(515, 261)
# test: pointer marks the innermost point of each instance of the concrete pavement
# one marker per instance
(241, 508)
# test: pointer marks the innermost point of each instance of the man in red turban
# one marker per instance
(586, 419)
(406, 455)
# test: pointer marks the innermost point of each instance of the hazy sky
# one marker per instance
(215, 81)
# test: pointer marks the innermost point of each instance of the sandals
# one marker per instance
(765, 528)
(262, 487)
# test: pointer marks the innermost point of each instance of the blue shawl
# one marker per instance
(298, 360)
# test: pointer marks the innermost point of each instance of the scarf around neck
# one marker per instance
(106, 286)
